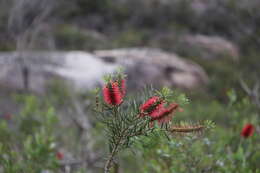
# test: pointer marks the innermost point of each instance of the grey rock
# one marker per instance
(82, 70)
(210, 47)
(146, 66)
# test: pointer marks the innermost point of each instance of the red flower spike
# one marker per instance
(151, 106)
(59, 155)
(112, 94)
(8, 116)
(247, 131)
(164, 115)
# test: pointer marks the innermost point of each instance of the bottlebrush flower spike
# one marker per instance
(112, 94)
(164, 115)
(247, 130)
(59, 155)
(7, 116)
(151, 106)
(187, 128)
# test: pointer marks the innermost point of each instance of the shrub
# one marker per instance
(28, 140)
(126, 121)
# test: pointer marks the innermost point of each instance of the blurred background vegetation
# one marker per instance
(40, 126)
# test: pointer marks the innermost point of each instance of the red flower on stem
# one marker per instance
(155, 109)
(113, 94)
(59, 155)
(151, 106)
(248, 130)
(7, 116)
(164, 115)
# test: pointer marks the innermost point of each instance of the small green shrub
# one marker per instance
(28, 140)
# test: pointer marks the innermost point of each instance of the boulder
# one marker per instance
(79, 69)
(210, 47)
(146, 66)
(82, 70)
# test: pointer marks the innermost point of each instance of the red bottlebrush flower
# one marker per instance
(164, 115)
(8, 116)
(59, 155)
(151, 106)
(112, 94)
(247, 130)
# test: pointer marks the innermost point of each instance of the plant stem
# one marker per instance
(110, 159)
(114, 151)
(122, 137)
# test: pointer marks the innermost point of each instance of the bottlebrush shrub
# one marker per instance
(150, 112)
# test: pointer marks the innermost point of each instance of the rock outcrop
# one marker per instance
(82, 70)
(210, 47)
(146, 66)
(79, 69)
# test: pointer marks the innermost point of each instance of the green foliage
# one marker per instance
(69, 37)
(27, 142)
(131, 38)
(222, 150)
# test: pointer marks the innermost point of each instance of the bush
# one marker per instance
(222, 150)
(27, 140)
(72, 38)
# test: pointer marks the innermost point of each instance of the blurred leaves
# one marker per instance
(29, 144)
